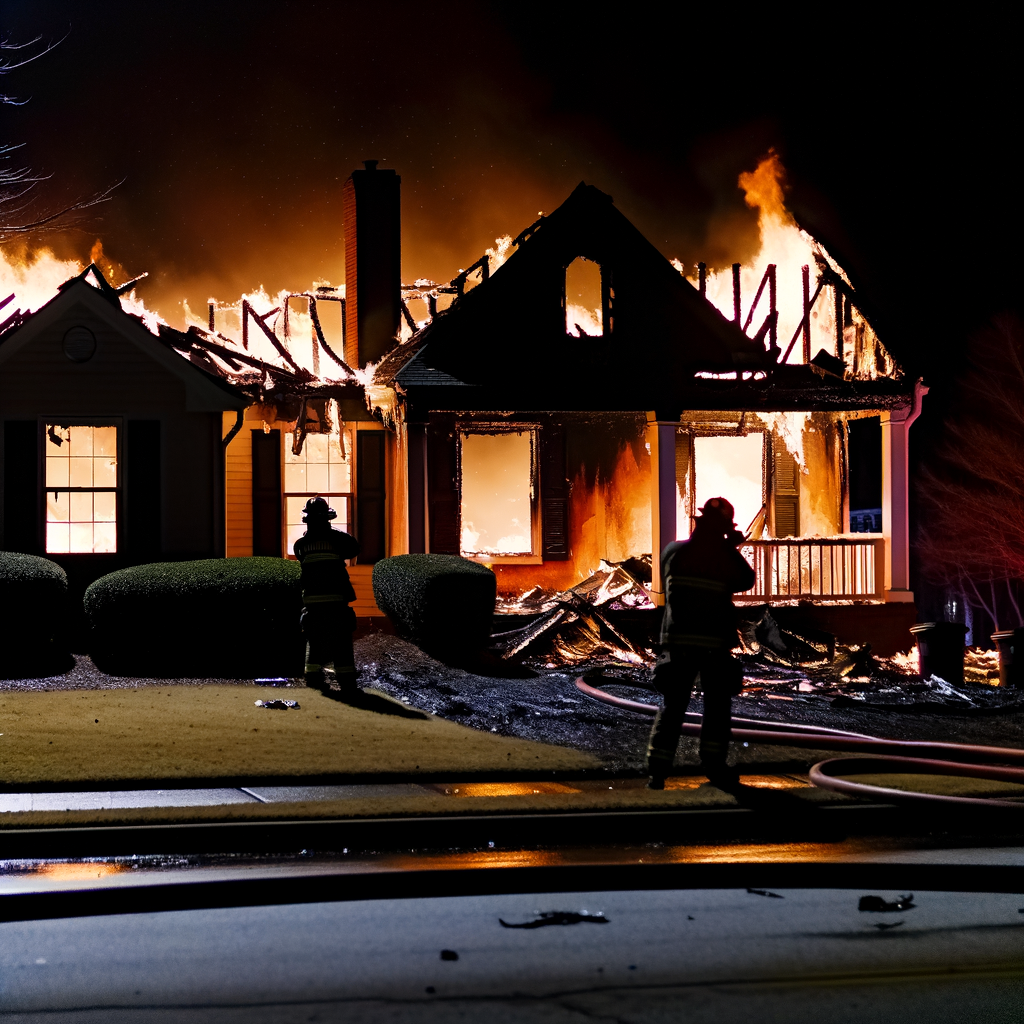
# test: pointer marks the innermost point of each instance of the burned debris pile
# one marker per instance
(607, 624)
(575, 627)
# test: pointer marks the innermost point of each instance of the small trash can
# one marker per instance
(940, 650)
(1011, 665)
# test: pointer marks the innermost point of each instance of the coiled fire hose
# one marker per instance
(906, 757)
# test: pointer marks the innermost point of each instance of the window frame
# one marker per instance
(118, 422)
(536, 554)
(349, 495)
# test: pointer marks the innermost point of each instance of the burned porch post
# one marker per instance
(896, 425)
(661, 438)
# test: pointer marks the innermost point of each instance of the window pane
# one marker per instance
(81, 472)
(56, 471)
(104, 472)
(316, 447)
(334, 453)
(339, 477)
(294, 477)
(57, 439)
(81, 442)
(496, 485)
(105, 507)
(104, 538)
(57, 538)
(81, 538)
(104, 441)
(293, 511)
(58, 509)
(316, 477)
(81, 507)
(294, 533)
(288, 457)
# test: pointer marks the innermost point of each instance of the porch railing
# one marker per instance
(836, 568)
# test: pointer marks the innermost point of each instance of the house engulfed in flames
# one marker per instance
(570, 398)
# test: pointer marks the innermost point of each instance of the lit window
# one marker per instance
(498, 492)
(584, 304)
(731, 468)
(323, 467)
(81, 489)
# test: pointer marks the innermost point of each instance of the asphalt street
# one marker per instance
(702, 955)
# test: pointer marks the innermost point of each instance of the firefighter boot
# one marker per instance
(314, 673)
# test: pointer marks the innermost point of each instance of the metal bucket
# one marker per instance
(940, 650)
(1011, 664)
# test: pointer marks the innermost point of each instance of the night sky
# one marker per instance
(234, 125)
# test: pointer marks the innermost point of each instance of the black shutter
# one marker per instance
(266, 493)
(370, 495)
(417, 435)
(554, 494)
(443, 489)
(142, 490)
(22, 517)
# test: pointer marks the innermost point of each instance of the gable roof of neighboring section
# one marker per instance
(204, 392)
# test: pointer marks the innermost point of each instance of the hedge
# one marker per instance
(443, 603)
(229, 617)
(33, 611)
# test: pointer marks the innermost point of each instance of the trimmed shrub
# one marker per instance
(230, 617)
(443, 603)
(33, 613)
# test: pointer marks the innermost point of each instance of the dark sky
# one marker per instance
(235, 124)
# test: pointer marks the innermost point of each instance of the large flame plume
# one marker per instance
(785, 244)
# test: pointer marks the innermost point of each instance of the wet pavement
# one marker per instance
(704, 955)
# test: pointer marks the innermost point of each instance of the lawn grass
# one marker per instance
(109, 737)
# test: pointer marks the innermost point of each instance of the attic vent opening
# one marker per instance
(583, 299)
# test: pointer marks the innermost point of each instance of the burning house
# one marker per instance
(569, 399)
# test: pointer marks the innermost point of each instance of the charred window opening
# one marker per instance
(498, 494)
(324, 467)
(731, 466)
(81, 488)
(865, 475)
(587, 299)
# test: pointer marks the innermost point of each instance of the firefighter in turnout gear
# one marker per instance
(697, 633)
(327, 620)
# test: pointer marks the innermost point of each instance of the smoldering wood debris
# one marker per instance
(569, 628)
(608, 622)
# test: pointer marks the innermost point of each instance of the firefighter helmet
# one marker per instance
(720, 508)
(316, 509)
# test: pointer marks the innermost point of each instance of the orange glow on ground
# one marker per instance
(79, 872)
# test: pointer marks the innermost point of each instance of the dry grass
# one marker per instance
(209, 732)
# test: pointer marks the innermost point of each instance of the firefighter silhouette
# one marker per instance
(327, 620)
(697, 633)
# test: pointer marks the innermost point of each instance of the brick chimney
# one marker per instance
(371, 214)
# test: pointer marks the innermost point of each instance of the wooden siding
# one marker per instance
(238, 485)
(362, 582)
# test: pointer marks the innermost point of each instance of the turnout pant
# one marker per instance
(328, 630)
(675, 673)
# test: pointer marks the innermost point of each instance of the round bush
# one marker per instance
(33, 610)
(232, 617)
(443, 603)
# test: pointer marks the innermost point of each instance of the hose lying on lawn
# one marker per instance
(906, 757)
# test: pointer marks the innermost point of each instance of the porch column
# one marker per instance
(896, 425)
(661, 436)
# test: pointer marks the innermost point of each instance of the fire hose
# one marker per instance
(908, 757)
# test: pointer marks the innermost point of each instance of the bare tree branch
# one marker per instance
(16, 183)
(972, 490)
